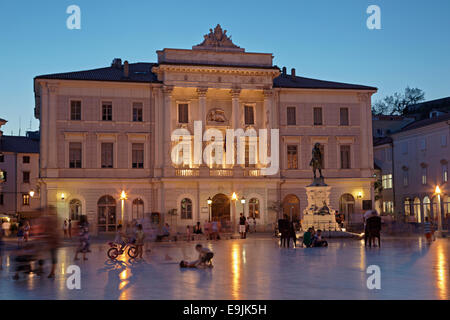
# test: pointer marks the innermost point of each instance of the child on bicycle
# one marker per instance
(121, 238)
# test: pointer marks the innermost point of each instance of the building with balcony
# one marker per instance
(151, 130)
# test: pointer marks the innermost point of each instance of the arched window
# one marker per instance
(426, 207)
(253, 208)
(417, 210)
(137, 210)
(75, 209)
(347, 206)
(407, 206)
(186, 209)
(106, 211)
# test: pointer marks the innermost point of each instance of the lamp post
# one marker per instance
(234, 199)
(31, 193)
(123, 197)
(209, 207)
(243, 204)
(438, 193)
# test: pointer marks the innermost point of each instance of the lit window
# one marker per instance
(292, 157)
(405, 178)
(445, 172)
(386, 181)
(424, 175)
(186, 209)
(25, 199)
(388, 206)
(253, 208)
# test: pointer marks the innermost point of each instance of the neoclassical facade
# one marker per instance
(107, 138)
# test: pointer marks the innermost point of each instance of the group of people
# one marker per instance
(204, 259)
(286, 228)
(311, 238)
(372, 228)
(245, 225)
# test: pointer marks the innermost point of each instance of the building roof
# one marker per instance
(426, 122)
(289, 81)
(19, 144)
(442, 104)
(381, 141)
(141, 72)
(138, 72)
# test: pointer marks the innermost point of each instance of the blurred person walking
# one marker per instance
(66, 229)
(2, 234)
(140, 237)
(70, 228)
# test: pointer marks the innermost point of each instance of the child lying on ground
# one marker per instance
(204, 259)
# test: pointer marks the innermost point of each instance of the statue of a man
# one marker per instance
(316, 161)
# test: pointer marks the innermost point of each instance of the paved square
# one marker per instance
(254, 268)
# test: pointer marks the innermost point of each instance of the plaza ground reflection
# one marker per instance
(249, 269)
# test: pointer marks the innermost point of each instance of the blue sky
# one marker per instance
(321, 39)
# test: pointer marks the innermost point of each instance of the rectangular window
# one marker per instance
(137, 112)
(2, 158)
(424, 175)
(345, 157)
(444, 173)
(388, 207)
(250, 159)
(1, 199)
(107, 155)
(291, 116)
(75, 110)
(25, 199)
(292, 157)
(344, 116)
(386, 180)
(3, 176)
(26, 159)
(405, 178)
(26, 176)
(183, 113)
(107, 111)
(137, 155)
(249, 115)
(75, 155)
(318, 116)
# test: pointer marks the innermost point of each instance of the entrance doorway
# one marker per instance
(347, 206)
(291, 207)
(220, 209)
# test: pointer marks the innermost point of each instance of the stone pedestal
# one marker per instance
(318, 213)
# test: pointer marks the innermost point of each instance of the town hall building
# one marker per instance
(107, 139)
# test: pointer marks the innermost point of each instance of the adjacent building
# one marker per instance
(19, 167)
(107, 139)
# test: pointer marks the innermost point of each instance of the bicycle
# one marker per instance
(117, 250)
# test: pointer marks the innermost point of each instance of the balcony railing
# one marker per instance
(252, 173)
(221, 173)
(187, 172)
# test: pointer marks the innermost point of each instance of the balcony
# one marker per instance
(221, 172)
(252, 173)
(187, 172)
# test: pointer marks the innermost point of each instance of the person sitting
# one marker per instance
(165, 232)
(318, 240)
(307, 238)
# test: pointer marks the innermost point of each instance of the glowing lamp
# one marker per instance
(438, 190)
(123, 196)
(31, 193)
(234, 196)
(209, 201)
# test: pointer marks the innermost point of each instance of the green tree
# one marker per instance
(397, 103)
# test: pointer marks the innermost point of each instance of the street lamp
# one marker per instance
(438, 193)
(234, 199)
(31, 193)
(209, 207)
(123, 197)
(243, 204)
(63, 196)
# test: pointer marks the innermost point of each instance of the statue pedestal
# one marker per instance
(318, 213)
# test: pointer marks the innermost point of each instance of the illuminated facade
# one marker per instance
(109, 130)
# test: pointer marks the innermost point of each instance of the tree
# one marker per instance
(398, 103)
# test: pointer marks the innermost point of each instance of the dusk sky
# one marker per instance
(322, 39)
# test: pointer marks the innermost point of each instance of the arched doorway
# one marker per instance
(106, 210)
(347, 206)
(220, 208)
(427, 207)
(291, 207)
(75, 209)
(417, 210)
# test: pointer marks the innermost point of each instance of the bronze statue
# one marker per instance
(316, 161)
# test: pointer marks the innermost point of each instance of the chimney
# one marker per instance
(126, 70)
(283, 70)
(293, 72)
(116, 63)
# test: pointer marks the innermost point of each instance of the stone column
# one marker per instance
(235, 94)
(167, 92)
(202, 104)
(364, 127)
(268, 94)
(52, 136)
(44, 119)
(157, 104)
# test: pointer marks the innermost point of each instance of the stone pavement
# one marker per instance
(255, 268)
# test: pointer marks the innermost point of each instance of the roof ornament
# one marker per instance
(218, 40)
